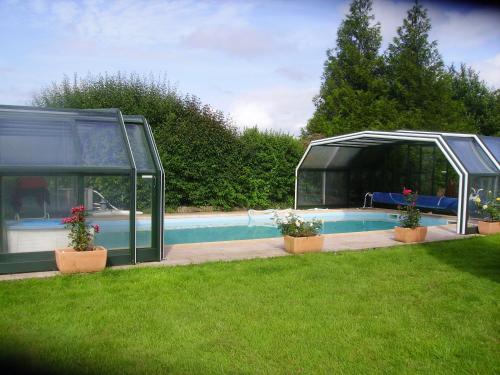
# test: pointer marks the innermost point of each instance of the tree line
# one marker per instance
(407, 86)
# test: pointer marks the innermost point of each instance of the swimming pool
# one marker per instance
(210, 228)
(243, 227)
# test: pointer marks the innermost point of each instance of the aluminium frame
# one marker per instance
(410, 136)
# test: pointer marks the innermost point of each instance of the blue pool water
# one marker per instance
(114, 232)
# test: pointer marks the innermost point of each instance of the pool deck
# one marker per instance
(185, 254)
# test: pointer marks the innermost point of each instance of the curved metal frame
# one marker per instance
(416, 136)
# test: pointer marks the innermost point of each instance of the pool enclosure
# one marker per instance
(448, 170)
(54, 159)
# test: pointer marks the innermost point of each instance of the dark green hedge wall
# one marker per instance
(207, 161)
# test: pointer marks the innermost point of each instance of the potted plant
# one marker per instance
(490, 210)
(409, 229)
(300, 236)
(82, 255)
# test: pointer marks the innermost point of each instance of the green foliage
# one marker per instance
(406, 88)
(489, 207)
(207, 161)
(295, 226)
(418, 81)
(269, 160)
(353, 92)
(409, 215)
(481, 104)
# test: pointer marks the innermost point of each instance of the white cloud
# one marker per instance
(452, 28)
(466, 30)
(243, 42)
(285, 109)
(292, 73)
(64, 11)
(390, 15)
(489, 70)
(130, 22)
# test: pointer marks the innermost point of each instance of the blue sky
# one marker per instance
(258, 61)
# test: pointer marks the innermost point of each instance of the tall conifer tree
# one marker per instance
(353, 92)
(418, 80)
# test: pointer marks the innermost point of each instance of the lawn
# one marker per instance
(426, 309)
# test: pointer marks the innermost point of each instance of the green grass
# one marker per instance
(426, 309)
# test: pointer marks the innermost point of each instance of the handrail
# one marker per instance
(368, 195)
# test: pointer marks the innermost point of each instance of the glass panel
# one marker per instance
(471, 155)
(32, 209)
(46, 140)
(107, 200)
(336, 189)
(39, 138)
(140, 147)
(493, 144)
(101, 144)
(310, 185)
(481, 186)
(145, 184)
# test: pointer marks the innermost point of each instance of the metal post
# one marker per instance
(133, 209)
(133, 191)
(323, 188)
(433, 192)
(2, 239)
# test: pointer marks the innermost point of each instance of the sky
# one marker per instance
(260, 62)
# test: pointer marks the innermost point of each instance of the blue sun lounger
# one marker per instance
(423, 201)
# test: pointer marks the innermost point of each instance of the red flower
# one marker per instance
(96, 228)
(406, 191)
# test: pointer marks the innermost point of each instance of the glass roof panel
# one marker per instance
(140, 148)
(44, 138)
(493, 145)
(471, 155)
(324, 157)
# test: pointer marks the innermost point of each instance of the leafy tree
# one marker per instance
(418, 81)
(481, 103)
(353, 90)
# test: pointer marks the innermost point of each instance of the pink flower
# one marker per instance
(69, 220)
(78, 209)
(96, 228)
(406, 191)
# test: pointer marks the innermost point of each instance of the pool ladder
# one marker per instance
(370, 197)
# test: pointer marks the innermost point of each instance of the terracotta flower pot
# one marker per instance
(410, 234)
(69, 260)
(488, 227)
(297, 245)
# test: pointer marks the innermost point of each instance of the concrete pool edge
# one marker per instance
(198, 253)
